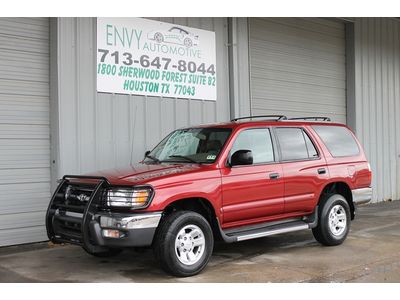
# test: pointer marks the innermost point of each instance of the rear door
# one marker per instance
(304, 169)
(254, 191)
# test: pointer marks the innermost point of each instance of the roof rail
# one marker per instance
(326, 119)
(277, 117)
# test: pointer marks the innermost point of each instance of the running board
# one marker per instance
(267, 229)
(271, 230)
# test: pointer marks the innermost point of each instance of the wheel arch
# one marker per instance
(201, 205)
(342, 188)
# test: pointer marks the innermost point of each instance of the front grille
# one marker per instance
(70, 207)
(70, 204)
(77, 197)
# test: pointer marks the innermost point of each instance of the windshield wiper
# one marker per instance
(185, 157)
(153, 158)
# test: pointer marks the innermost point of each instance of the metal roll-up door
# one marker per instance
(297, 67)
(24, 129)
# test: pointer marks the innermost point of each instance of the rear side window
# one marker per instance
(338, 140)
(258, 141)
(295, 144)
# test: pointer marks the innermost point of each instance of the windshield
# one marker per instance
(192, 145)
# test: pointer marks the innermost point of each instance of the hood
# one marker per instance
(142, 172)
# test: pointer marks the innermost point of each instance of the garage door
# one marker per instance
(24, 129)
(297, 67)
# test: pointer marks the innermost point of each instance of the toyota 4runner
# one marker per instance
(234, 181)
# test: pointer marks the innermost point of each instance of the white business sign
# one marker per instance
(144, 57)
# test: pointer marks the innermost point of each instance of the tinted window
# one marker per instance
(295, 144)
(258, 141)
(338, 140)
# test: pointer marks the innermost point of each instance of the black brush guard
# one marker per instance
(75, 230)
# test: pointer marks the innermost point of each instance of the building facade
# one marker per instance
(54, 122)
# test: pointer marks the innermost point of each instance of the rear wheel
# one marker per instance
(184, 243)
(334, 220)
(188, 42)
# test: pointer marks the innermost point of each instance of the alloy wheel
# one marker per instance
(190, 244)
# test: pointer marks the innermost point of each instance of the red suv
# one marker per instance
(233, 181)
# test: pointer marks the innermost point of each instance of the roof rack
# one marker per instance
(277, 117)
(326, 119)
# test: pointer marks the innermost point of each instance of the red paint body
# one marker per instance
(244, 195)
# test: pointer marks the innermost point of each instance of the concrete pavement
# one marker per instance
(371, 253)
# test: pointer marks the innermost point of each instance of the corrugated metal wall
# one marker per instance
(377, 100)
(24, 129)
(239, 67)
(97, 130)
(298, 67)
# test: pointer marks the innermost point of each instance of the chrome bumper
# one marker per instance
(362, 196)
(136, 230)
(138, 221)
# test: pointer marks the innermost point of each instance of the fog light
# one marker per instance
(112, 233)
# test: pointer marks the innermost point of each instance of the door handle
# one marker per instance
(322, 171)
(274, 176)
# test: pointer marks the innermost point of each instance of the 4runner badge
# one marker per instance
(83, 197)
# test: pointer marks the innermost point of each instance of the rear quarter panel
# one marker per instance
(353, 170)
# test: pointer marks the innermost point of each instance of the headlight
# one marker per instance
(130, 198)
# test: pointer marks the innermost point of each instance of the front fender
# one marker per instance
(208, 189)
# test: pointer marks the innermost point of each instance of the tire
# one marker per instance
(175, 243)
(158, 37)
(110, 252)
(188, 42)
(334, 220)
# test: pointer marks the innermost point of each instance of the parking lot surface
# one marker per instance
(370, 254)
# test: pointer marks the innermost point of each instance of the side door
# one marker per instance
(304, 169)
(251, 193)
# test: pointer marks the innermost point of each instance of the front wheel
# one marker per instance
(334, 220)
(184, 243)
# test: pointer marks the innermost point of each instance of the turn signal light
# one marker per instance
(112, 233)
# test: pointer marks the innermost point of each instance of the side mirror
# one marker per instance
(242, 157)
(146, 153)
